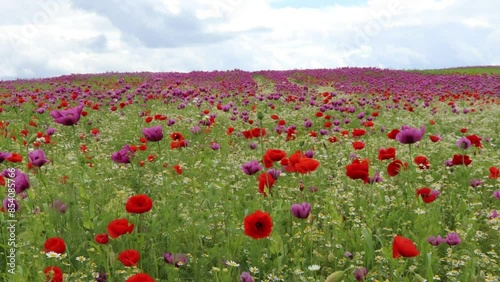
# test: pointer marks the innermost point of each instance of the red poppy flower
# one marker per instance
(494, 172)
(178, 144)
(258, 132)
(368, 123)
(53, 274)
(402, 246)
(176, 136)
(386, 154)
(101, 238)
(332, 139)
(147, 120)
(230, 130)
(392, 134)
(118, 227)
(358, 170)
(275, 117)
(461, 160)
(301, 164)
(358, 132)
(319, 114)
(463, 130)
(475, 140)
(258, 225)
(15, 158)
(291, 134)
(395, 166)
(434, 138)
(273, 155)
(55, 244)
(265, 180)
(129, 257)
(422, 162)
(282, 122)
(140, 277)
(139, 204)
(427, 195)
(358, 145)
(178, 169)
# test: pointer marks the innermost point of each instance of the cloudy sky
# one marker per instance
(45, 38)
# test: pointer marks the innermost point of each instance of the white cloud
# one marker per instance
(55, 37)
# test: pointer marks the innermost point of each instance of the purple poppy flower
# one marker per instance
(215, 146)
(496, 194)
(37, 158)
(452, 239)
(448, 163)
(4, 155)
(360, 273)
(301, 210)
(101, 277)
(275, 173)
(309, 154)
(252, 146)
(307, 123)
(50, 131)
(153, 134)
(123, 156)
(20, 179)
(251, 167)
(177, 260)
(10, 204)
(246, 277)
(494, 214)
(463, 143)
(348, 255)
(59, 206)
(475, 183)
(376, 178)
(195, 129)
(170, 122)
(435, 241)
(67, 117)
(410, 135)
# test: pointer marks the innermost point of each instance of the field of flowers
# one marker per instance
(351, 174)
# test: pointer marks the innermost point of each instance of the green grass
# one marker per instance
(491, 70)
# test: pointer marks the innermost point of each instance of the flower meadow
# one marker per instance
(350, 174)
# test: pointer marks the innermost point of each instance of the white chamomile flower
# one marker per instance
(314, 267)
(53, 255)
(232, 263)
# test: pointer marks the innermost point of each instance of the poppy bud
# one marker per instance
(260, 115)
(335, 277)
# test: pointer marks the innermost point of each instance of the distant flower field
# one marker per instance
(351, 174)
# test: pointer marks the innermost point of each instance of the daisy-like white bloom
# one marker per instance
(81, 258)
(232, 263)
(314, 267)
(254, 269)
(53, 255)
